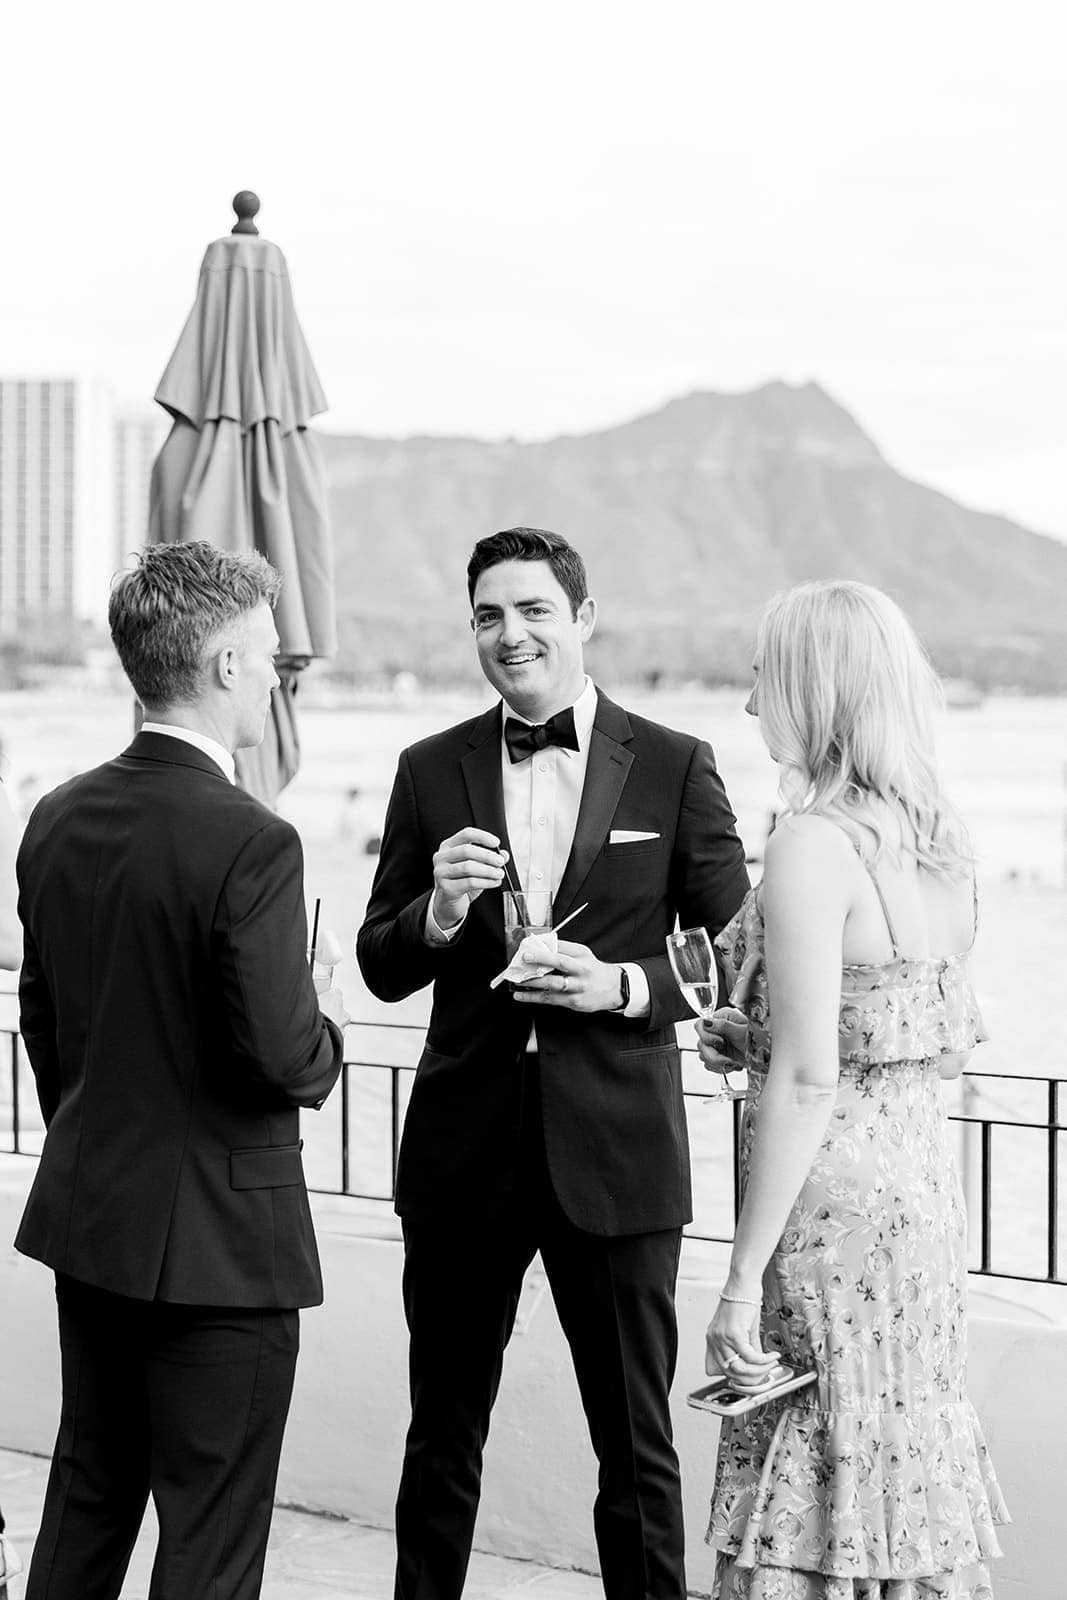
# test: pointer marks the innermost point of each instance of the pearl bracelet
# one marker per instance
(739, 1300)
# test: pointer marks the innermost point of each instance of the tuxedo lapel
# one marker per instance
(485, 791)
(605, 778)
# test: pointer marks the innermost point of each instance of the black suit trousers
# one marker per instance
(186, 1403)
(615, 1301)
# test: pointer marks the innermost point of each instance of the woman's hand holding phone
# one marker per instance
(733, 1347)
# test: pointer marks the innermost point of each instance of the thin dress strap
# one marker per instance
(974, 921)
(881, 899)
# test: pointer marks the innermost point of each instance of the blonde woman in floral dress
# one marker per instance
(852, 1000)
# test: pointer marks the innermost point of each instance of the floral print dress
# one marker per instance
(873, 1483)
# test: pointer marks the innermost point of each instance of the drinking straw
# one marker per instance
(570, 916)
(314, 933)
(513, 883)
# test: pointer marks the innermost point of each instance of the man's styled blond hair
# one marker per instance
(165, 614)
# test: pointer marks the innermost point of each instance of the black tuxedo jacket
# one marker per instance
(614, 1120)
(173, 1028)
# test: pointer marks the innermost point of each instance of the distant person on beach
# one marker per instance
(174, 1030)
(852, 1000)
(548, 1118)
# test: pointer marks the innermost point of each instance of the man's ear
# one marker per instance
(586, 617)
(224, 667)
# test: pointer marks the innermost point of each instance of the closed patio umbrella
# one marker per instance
(239, 466)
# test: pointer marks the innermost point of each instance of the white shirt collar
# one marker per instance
(200, 741)
(584, 709)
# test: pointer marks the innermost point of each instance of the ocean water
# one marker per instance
(1004, 763)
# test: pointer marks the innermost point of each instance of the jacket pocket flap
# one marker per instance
(627, 849)
(274, 1167)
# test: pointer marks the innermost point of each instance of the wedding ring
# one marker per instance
(563, 986)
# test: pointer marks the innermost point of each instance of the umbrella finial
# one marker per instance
(246, 204)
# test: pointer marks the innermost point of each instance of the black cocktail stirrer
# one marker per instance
(314, 934)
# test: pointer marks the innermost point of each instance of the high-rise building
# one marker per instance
(139, 433)
(56, 496)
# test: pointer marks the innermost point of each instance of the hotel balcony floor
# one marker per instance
(309, 1558)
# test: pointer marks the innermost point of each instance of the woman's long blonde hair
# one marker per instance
(846, 697)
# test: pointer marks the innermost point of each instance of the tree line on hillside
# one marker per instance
(375, 649)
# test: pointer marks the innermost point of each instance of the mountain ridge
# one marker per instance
(689, 517)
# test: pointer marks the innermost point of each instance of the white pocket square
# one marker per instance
(628, 836)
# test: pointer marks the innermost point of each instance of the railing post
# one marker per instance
(394, 1087)
(987, 1193)
(344, 1127)
(1053, 1177)
(15, 1130)
(970, 1171)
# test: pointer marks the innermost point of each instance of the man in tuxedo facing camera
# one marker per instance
(549, 1117)
(174, 1031)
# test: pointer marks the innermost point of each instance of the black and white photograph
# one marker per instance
(533, 801)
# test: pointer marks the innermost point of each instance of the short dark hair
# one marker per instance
(531, 544)
(164, 613)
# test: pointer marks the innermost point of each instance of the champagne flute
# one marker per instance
(693, 964)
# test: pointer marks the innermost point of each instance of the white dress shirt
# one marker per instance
(542, 796)
(200, 741)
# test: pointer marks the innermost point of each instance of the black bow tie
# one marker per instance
(523, 741)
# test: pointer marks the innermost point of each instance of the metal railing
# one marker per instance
(976, 1120)
(980, 1206)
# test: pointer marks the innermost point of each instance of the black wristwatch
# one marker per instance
(624, 989)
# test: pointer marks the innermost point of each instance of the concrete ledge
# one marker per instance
(346, 1430)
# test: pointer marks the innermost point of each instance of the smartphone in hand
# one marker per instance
(721, 1397)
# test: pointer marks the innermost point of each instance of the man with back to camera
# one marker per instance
(174, 1031)
(550, 1118)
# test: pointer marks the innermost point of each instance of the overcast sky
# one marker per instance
(508, 219)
